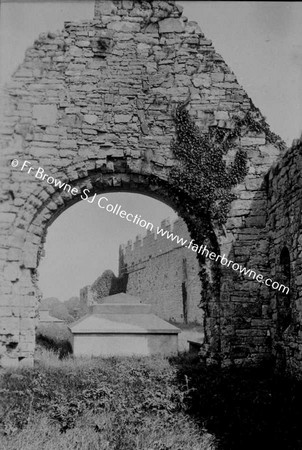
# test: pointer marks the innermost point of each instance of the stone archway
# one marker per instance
(92, 106)
(97, 182)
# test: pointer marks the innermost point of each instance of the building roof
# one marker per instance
(122, 313)
(121, 298)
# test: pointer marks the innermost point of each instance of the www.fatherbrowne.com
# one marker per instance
(223, 260)
(117, 210)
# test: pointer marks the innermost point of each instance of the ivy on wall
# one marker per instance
(202, 173)
(259, 125)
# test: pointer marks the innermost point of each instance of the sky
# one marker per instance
(260, 41)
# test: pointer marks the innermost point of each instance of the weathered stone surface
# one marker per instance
(284, 227)
(202, 80)
(127, 27)
(90, 118)
(156, 262)
(68, 143)
(170, 26)
(45, 114)
(12, 272)
(122, 118)
(82, 43)
(105, 7)
(152, 28)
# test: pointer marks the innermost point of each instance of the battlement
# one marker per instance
(154, 243)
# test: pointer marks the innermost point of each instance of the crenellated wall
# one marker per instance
(164, 273)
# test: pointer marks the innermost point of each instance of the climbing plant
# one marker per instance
(257, 124)
(202, 173)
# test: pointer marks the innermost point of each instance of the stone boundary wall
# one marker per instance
(284, 186)
(164, 273)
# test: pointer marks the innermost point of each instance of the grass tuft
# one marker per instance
(148, 403)
(97, 403)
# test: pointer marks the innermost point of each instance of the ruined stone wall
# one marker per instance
(284, 185)
(92, 105)
(86, 295)
(165, 274)
(104, 285)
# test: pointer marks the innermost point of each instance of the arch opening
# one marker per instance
(191, 273)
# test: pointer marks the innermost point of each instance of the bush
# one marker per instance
(62, 347)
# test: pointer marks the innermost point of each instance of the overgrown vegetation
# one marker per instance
(256, 123)
(147, 404)
(203, 174)
(62, 347)
(55, 337)
(120, 404)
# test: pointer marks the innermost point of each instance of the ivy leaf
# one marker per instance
(202, 173)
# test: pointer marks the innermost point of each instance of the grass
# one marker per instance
(103, 433)
(112, 403)
(150, 403)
